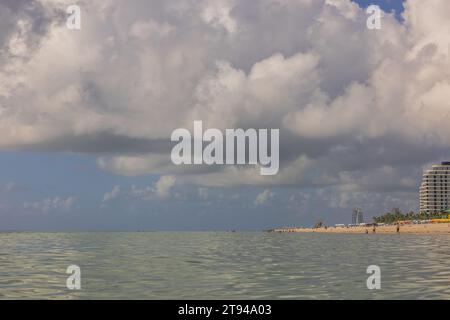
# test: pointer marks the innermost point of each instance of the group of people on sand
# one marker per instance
(374, 228)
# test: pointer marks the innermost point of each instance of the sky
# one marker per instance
(86, 115)
(385, 5)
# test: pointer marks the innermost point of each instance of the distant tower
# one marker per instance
(357, 216)
(360, 216)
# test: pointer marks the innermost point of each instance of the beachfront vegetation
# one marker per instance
(396, 215)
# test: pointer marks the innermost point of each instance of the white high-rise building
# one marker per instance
(435, 189)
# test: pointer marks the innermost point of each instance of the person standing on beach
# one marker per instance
(374, 229)
(398, 227)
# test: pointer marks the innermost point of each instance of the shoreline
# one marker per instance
(427, 228)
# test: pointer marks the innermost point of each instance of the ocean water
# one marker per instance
(221, 265)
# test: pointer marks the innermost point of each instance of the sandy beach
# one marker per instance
(430, 228)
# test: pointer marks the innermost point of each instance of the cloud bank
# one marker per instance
(357, 109)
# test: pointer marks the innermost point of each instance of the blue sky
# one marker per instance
(59, 183)
(37, 176)
(386, 5)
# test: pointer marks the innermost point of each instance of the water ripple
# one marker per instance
(219, 265)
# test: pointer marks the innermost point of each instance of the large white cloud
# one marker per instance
(356, 108)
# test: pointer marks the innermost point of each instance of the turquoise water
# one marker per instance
(221, 265)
